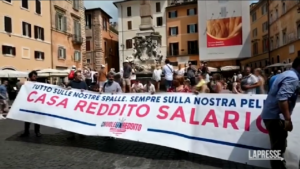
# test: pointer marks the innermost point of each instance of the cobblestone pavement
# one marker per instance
(53, 151)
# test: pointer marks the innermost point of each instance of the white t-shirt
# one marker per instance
(180, 72)
(133, 75)
(234, 78)
(157, 74)
(207, 78)
(168, 71)
(151, 88)
(137, 86)
(250, 81)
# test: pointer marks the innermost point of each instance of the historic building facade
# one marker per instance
(142, 32)
(101, 39)
(25, 35)
(182, 33)
(275, 33)
(68, 34)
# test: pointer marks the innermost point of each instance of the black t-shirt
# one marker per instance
(77, 85)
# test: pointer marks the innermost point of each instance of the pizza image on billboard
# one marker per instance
(224, 32)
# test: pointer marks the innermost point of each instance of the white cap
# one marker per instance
(126, 61)
(103, 66)
(73, 66)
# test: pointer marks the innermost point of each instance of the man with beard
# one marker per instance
(33, 78)
(111, 86)
(77, 83)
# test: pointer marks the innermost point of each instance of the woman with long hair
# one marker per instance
(216, 84)
(261, 81)
(178, 86)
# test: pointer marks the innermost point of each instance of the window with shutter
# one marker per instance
(129, 26)
(75, 27)
(76, 4)
(77, 56)
(65, 53)
(26, 29)
(128, 11)
(7, 24)
(61, 53)
(35, 32)
(39, 55)
(38, 33)
(38, 7)
(61, 22)
(25, 4)
(29, 30)
(157, 6)
(42, 33)
(79, 30)
(8, 50)
(56, 21)
(159, 21)
(88, 45)
(43, 56)
(129, 43)
(65, 24)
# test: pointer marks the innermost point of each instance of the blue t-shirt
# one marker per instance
(272, 81)
(3, 91)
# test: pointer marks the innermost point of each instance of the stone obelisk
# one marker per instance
(146, 16)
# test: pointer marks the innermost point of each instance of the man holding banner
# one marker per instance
(33, 78)
(278, 108)
(77, 83)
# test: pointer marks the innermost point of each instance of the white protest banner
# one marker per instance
(224, 126)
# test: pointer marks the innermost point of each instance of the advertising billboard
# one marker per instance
(224, 30)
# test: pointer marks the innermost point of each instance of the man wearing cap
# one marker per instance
(127, 70)
(102, 77)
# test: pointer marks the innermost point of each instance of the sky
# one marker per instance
(107, 6)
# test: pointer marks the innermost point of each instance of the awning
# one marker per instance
(212, 69)
(230, 68)
(276, 65)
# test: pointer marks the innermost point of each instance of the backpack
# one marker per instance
(71, 75)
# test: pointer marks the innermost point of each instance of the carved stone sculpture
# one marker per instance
(147, 43)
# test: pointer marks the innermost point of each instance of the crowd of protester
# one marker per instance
(282, 89)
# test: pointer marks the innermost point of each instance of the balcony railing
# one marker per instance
(77, 39)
